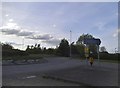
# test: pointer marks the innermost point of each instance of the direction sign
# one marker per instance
(86, 50)
(92, 41)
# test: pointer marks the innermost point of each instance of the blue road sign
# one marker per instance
(92, 41)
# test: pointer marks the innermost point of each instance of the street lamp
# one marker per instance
(115, 50)
(22, 43)
(70, 41)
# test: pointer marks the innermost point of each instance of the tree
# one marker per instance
(63, 48)
(32, 46)
(34, 49)
(35, 45)
(103, 49)
(28, 47)
(44, 50)
(38, 49)
(50, 51)
(7, 47)
(74, 50)
(82, 37)
(38, 46)
(92, 47)
(80, 50)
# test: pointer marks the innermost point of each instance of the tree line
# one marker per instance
(64, 48)
(77, 48)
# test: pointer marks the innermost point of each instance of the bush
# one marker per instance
(14, 54)
(7, 53)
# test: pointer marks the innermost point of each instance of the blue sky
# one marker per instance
(48, 22)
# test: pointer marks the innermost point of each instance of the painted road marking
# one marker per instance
(28, 77)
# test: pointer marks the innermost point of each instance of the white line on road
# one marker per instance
(28, 77)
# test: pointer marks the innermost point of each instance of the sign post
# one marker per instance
(87, 53)
(96, 42)
(98, 54)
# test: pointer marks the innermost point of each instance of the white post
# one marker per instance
(98, 55)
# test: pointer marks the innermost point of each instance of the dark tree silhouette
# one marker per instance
(63, 48)
(92, 47)
(80, 50)
(7, 47)
(32, 46)
(103, 49)
(38, 46)
(82, 37)
(28, 47)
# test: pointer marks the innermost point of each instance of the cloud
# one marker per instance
(9, 31)
(17, 32)
(40, 37)
(6, 15)
(13, 43)
(54, 25)
(116, 13)
(12, 25)
(53, 41)
(99, 26)
(116, 33)
(10, 28)
(14, 29)
(10, 20)
(24, 33)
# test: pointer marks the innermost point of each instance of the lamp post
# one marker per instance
(22, 42)
(98, 54)
(115, 50)
(70, 41)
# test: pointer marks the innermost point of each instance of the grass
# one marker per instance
(40, 56)
(27, 57)
(102, 60)
(111, 61)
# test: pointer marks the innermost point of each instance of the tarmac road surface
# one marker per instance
(31, 75)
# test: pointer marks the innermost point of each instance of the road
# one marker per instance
(31, 75)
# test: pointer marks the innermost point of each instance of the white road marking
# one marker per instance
(28, 77)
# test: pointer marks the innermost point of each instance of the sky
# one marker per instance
(27, 23)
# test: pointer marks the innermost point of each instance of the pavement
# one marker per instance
(59, 71)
